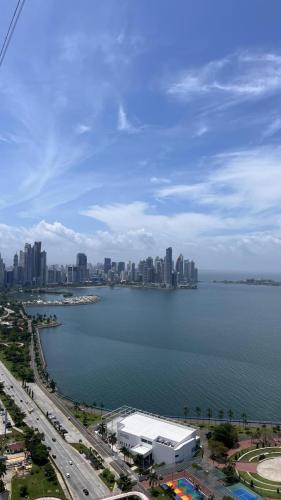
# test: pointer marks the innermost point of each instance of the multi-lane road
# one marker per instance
(76, 470)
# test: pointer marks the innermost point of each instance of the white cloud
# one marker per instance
(81, 128)
(159, 180)
(272, 128)
(239, 76)
(201, 130)
(249, 180)
(124, 125)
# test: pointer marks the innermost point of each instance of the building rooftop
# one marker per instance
(152, 428)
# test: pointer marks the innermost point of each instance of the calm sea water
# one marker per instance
(218, 346)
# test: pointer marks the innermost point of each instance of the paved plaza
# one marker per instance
(270, 469)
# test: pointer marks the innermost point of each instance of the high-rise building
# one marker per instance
(179, 268)
(81, 263)
(16, 269)
(168, 266)
(159, 270)
(107, 265)
(72, 274)
(28, 264)
(43, 268)
(121, 267)
(2, 272)
(185, 270)
(36, 264)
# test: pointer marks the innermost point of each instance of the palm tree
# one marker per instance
(138, 461)
(221, 414)
(153, 478)
(102, 429)
(124, 451)
(198, 411)
(185, 412)
(209, 413)
(230, 415)
(112, 439)
(101, 407)
(244, 419)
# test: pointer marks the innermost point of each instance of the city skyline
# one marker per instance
(136, 126)
(30, 268)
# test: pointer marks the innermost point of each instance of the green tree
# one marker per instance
(218, 450)
(221, 414)
(244, 419)
(102, 429)
(2, 486)
(153, 478)
(23, 491)
(209, 414)
(52, 385)
(124, 483)
(50, 472)
(101, 407)
(112, 439)
(3, 468)
(230, 415)
(198, 411)
(226, 434)
(185, 412)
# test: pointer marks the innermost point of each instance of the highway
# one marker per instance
(81, 473)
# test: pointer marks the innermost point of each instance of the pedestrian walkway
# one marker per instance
(246, 466)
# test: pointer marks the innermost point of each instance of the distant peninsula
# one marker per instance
(250, 281)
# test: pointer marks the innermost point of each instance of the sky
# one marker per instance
(127, 126)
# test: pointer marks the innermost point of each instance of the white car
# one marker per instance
(70, 462)
(67, 474)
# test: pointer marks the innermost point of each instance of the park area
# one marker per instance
(260, 469)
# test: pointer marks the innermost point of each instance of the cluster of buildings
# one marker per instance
(161, 271)
(30, 269)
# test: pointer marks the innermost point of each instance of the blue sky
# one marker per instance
(128, 126)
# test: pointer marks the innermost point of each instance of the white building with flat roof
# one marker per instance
(156, 440)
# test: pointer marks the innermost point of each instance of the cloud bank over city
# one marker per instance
(133, 128)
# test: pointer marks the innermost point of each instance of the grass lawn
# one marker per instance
(247, 456)
(86, 417)
(37, 485)
(82, 448)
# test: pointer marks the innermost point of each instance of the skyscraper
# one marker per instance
(107, 265)
(179, 268)
(28, 264)
(168, 266)
(81, 263)
(36, 264)
(2, 272)
(43, 268)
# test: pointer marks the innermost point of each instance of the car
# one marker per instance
(49, 448)
(54, 439)
(54, 456)
(70, 462)
(21, 400)
(67, 474)
(85, 491)
(37, 418)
